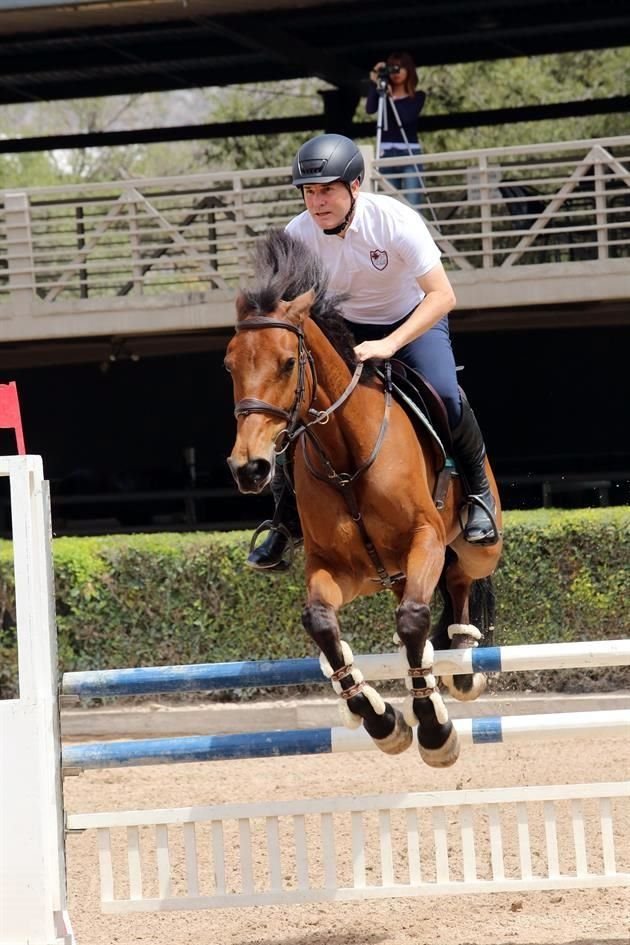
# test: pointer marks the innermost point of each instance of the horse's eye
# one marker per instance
(288, 365)
(227, 367)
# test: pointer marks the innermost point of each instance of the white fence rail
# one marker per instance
(507, 207)
(494, 209)
(450, 842)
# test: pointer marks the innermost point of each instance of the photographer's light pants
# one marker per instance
(405, 177)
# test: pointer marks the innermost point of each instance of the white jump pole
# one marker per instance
(32, 864)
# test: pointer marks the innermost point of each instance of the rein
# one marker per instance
(342, 481)
(345, 481)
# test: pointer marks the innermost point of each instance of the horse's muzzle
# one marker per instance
(253, 475)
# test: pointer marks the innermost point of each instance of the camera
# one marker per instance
(386, 71)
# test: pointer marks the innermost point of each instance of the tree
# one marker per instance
(526, 81)
(32, 169)
(272, 100)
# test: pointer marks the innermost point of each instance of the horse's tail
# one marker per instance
(482, 603)
(482, 608)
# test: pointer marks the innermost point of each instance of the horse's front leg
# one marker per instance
(360, 703)
(437, 739)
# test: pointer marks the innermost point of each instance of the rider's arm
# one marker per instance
(439, 299)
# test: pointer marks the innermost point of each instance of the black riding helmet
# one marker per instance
(325, 159)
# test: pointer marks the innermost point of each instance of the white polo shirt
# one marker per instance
(385, 249)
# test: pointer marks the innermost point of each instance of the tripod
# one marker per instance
(382, 125)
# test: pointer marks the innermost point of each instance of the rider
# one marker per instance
(379, 251)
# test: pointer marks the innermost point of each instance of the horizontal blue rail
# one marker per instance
(200, 677)
(475, 731)
(164, 751)
(208, 677)
(249, 674)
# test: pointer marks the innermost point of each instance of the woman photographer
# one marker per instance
(397, 80)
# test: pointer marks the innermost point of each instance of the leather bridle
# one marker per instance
(252, 404)
(342, 481)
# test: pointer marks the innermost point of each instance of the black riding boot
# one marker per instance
(284, 529)
(470, 453)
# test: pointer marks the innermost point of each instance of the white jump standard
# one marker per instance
(32, 868)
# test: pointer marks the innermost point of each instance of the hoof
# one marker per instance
(398, 740)
(476, 688)
(442, 757)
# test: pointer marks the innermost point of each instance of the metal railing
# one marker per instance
(506, 207)
(488, 209)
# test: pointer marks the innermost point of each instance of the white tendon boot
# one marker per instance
(448, 753)
(479, 680)
(400, 738)
(359, 685)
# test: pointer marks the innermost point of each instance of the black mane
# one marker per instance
(284, 268)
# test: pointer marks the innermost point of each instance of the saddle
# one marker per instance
(425, 408)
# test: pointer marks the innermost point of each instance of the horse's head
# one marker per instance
(267, 361)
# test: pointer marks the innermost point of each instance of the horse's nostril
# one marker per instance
(256, 470)
(252, 476)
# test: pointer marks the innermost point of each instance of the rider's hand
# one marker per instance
(382, 349)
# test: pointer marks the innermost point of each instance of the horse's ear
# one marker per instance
(300, 308)
(242, 306)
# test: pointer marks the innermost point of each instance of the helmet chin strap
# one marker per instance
(336, 230)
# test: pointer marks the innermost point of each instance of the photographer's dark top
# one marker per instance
(408, 109)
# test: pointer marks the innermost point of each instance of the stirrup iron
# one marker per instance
(270, 526)
(494, 535)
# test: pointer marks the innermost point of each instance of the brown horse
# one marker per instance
(364, 484)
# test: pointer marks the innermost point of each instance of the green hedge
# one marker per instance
(185, 598)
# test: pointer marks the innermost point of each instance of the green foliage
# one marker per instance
(272, 100)
(168, 599)
(511, 83)
(564, 576)
(35, 169)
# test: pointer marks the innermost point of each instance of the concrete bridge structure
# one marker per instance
(532, 235)
(119, 297)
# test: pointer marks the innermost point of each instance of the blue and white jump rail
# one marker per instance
(399, 845)
(319, 741)
(247, 674)
(211, 677)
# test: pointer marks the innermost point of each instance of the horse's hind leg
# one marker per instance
(360, 701)
(437, 739)
(469, 615)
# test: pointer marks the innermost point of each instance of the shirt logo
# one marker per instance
(379, 259)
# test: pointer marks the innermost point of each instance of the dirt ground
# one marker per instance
(575, 917)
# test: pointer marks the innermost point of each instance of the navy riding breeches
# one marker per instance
(430, 354)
